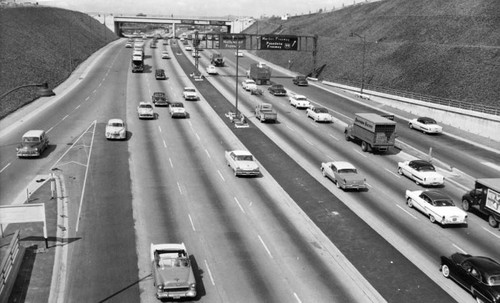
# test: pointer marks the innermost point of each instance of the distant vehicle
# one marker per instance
(478, 275)
(299, 101)
(421, 171)
(195, 54)
(217, 60)
(33, 143)
(116, 129)
(426, 125)
(173, 275)
(129, 45)
(266, 113)
(484, 198)
(165, 55)
(319, 114)
(211, 70)
(437, 206)
(145, 110)
(277, 90)
(160, 74)
(238, 54)
(189, 93)
(242, 163)
(249, 85)
(343, 174)
(260, 73)
(188, 48)
(374, 131)
(177, 109)
(152, 45)
(300, 81)
(137, 64)
(159, 99)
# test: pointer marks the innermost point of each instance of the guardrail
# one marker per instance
(9, 267)
(491, 110)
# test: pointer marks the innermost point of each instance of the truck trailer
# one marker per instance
(217, 59)
(485, 198)
(375, 132)
(260, 73)
(137, 64)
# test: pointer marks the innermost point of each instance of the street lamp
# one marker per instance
(44, 90)
(363, 38)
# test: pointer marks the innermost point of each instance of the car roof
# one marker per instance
(115, 121)
(159, 70)
(189, 87)
(428, 119)
(241, 152)
(177, 103)
(421, 162)
(343, 165)
(485, 265)
(34, 133)
(158, 93)
(300, 96)
(145, 103)
(436, 195)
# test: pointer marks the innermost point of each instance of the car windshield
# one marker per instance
(321, 110)
(147, 106)
(426, 168)
(347, 171)
(302, 98)
(31, 139)
(429, 121)
(278, 86)
(115, 124)
(190, 90)
(443, 202)
(177, 105)
(494, 280)
(244, 158)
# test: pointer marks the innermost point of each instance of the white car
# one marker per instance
(238, 54)
(343, 174)
(319, 114)
(177, 109)
(145, 110)
(437, 206)
(195, 54)
(189, 93)
(426, 125)
(249, 85)
(299, 101)
(116, 129)
(212, 70)
(242, 163)
(165, 55)
(421, 171)
(188, 48)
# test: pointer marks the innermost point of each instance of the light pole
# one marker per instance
(363, 38)
(237, 51)
(44, 90)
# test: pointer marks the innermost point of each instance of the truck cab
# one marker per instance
(484, 198)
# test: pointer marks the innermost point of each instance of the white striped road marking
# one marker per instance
(191, 220)
(491, 232)
(265, 246)
(457, 247)
(407, 212)
(238, 202)
(4, 167)
(395, 174)
(210, 273)
(334, 137)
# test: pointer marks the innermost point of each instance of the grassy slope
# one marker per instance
(445, 48)
(35, 47)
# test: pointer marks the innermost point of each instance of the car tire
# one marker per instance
(364, 146)
(410, 125)
(492, 221)
(432, 219)
(465, 205)
(347, 138)
(416, 182)
(445, 270)
(409, 202)
(337, 184)
(323, 172)
(400, 171)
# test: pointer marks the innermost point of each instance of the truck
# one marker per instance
(484, 198)
(260, 73)
(217, 60)
(266, 113)
(375, 132)
(137, 63)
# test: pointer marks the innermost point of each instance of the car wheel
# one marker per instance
(347, 138)
(364, 146)
(409, 202)
(400, 170)
(432, 219)
(445, 270)
(492, 221)
(323, 172)
(465, 205)
(410, 125)
(416, 182)
(337, 183)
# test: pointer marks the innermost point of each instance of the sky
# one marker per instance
(202, 8)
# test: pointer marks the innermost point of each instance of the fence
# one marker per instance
(9, 267)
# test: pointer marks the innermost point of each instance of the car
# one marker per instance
(152, 45)
(195, 54)
(177, 109)
(436, 205)
(33, 143)
(277, 90)
(319, 114)
(300, 81)
(116, 129)
(188, 48)
(426, 125)
(189, 93)
(159, 99)
(145, 110)
(173, 275)
(165, 55)
(299, 101)
(343, 174)
(238, 54)
(212, 70)
(242, 163)
(478, 275)
(249, 85)
(129, 45)
(421, 171)
(160, 74)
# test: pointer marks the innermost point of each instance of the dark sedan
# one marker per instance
(160, 74)
(479, 275)
(159, 99)
(300, 81)
(277, 90)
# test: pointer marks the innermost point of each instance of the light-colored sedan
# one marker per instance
(299, 101)
(249, 85)
(437, 206)
(116, 129)
(238, 54)
(242, 163)
(426, 125)
(145, 110)
(319, 114)
(421, 171)
(165, 55)
(212, 70)
(343, 174)
(177, 109)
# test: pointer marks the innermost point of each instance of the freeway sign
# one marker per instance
(233, 41)
(278, 42)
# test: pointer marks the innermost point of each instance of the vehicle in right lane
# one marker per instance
(343, 174)
(242, 163)
(277, 90)
(300, 81)
(319, 114)
(116, 129)
(421, 171)
(299, 101)
(426, 125)
(177, 109)
(437, 206)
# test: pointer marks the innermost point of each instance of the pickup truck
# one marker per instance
(266, 113)
(277, 90)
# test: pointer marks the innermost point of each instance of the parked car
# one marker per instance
(249, 85)
(319, 114)
(421, 171)
(145, 110)
(242, 163)
(343, 174)
(437, 206)
(426, 125)
(299, 101)
(300, 81)
(116, 129)
(277, 90)
(212, 70)
(159, 99)
(165, 55)
(478, 275)
(160, 74)
(173, 275)
(33, 143)
(189, 93)
(177, 109)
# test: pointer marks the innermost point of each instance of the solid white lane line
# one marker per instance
(179, 187)
(238, 202)
(210, 273)
(4, 167)
(265, 246)
(64, 118)
(197, 137)
(48, 130)
(78, 106)
(171, 164)
(407, 212)
(192, 224)
(334, 137)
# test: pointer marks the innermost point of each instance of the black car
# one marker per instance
(160, 74)
(277, 90)
(479, 275)
(300, 81)
(159, 99)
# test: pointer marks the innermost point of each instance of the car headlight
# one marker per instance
(192, 285)
(160, 286)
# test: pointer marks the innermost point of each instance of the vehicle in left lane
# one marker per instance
(211, 70)
(242, 163)
(478, 275)
(437, 206)
(299, 101)
(116, 129)
(319, 114)
(145, 110)
(177, 109)
(343, 174)
(426, 125)
(277, 90)
(33, 143)
(160, 74)
(421, 171)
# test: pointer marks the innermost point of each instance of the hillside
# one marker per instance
(42, 44)
(446, 48)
